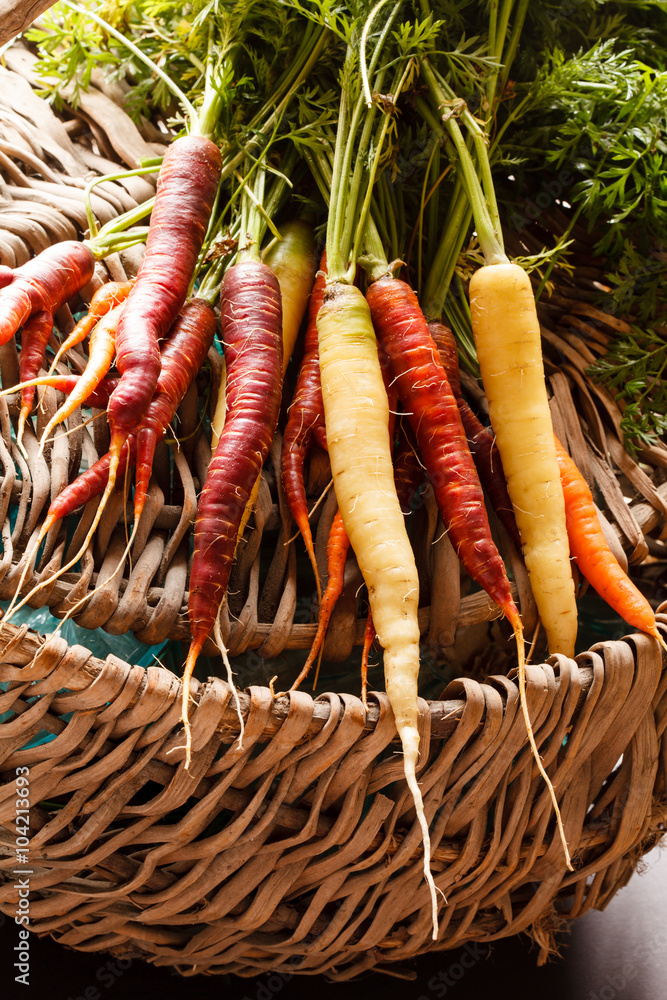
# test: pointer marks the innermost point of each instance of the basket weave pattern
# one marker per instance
(299, 850)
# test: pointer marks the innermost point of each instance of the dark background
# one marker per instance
(618, 954)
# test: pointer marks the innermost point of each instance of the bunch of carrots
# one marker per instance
(377, 384)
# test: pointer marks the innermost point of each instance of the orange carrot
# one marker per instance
(106, 298)
(369, 639)
(101, 349)
(337, 548)
(593, 556)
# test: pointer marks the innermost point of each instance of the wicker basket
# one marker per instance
(299, 849)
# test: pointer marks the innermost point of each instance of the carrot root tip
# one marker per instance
(220, 643)
(518, 633)
(657, 635)
(195, 649)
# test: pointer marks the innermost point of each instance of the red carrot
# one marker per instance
(34, 338)
(180, 363)
(6, 275)
(434, 416)
(408, 470)
(186, 189)
(589, 548)
(481, 439)
(106, 298)
(44, 283)
(306, 413)
(250, 308)
(90, 484)
(183, 354)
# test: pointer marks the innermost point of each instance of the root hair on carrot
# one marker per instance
(220, 643)
(518, 632)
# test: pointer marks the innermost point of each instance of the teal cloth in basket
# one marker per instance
(99, 642)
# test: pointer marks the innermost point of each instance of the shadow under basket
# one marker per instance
(299, 850)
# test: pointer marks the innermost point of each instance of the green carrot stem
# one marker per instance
(513, 44)
(490, 239)
(433, 205)
(209, 113)
(497, 34)
(117, 234)
(337, 267)
(479, 142)
(364, 214)
(93, 228)
(352, 211)
(127, 219)
(209, 289)
(102, 246)
(458, 317)
(346, 217)
(390, 213)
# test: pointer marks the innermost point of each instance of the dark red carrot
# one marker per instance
(106, 298)
(481, 439)
(250, 307)
(182, 356)
(434, 416)
(44, 283)
(6, 275)
(320, 436)
(390, 387)
(408, 470)
(186, 189)
(35, 336)
(306, 416)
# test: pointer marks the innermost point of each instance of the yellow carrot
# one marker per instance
(356, 413)
(507, 337)
(293, 260)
